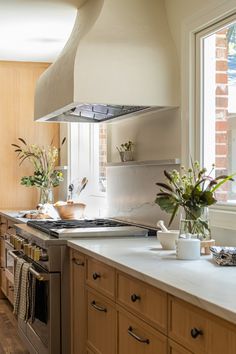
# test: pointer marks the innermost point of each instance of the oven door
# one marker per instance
(41, 333)
(43, 330)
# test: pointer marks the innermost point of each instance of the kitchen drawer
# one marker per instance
(101, 324)
(199, 331)
(145, 301)
(11, 227)
(136, 337)
(174, 348)
(3, 225)
(101, 277)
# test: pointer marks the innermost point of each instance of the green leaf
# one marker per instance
(173, 214)
(22, 140)
(164, 185)
(168, 176)
(166, 204)
(228, 178)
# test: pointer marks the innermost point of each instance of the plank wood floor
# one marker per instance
(10, 343)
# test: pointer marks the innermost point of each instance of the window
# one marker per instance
(88, 155)
(217, 101)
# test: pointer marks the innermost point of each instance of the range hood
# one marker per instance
(119, 61)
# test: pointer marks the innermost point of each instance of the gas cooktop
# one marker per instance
(86, 228)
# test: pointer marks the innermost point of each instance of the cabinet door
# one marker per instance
(10, 292)
(3, 281)
(2, 245)
(78, 303)
(136, 337)
(174, 348)
(101, 336)
(199, 331)
(146, 301)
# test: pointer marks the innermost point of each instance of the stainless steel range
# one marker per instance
(87, 228)
(44, 245)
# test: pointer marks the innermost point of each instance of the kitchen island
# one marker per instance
(196, 293)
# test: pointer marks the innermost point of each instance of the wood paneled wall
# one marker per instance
(17, 86)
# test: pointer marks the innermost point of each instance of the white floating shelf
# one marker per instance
(61, 168)
(175, 161)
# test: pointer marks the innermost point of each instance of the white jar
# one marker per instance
(188, 248)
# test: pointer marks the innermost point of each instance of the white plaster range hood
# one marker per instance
(120, 60)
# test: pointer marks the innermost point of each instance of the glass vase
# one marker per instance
(196, 225)
(46, 196)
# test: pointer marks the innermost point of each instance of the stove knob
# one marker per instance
(25, 248)
(29, 248)
(37, 254)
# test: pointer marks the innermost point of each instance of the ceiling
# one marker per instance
(35, 30)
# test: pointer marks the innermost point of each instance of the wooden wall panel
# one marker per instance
(17, 86)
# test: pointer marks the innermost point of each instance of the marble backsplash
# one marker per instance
(131, 192)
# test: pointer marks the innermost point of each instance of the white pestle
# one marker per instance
(161, 224)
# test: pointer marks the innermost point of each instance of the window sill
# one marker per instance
(223, 216)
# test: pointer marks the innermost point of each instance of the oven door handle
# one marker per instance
(39, 276)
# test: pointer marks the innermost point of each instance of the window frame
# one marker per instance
(222, 215)
(84, 138)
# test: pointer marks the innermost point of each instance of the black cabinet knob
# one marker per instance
(96, 276)
(195, 332)
(135, 297)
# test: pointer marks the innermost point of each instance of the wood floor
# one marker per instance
(10, 342)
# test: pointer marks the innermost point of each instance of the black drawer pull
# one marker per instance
(135, 336)
(77, 262)
(2, 223)
(96, 276)
(97, 307)
(196, 332)
(135, 297)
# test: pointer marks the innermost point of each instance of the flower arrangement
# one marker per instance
(128, 146)
(126, 151)
(193, 189)
(43, 160)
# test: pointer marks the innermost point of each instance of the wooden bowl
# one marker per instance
(71, 210)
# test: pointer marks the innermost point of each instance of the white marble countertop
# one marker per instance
(202, 283)
(14, 215)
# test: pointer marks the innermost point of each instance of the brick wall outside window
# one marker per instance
(221, 104)
(102, 156)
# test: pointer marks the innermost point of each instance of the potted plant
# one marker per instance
(44, 177)
(194, 191)
(126, 151)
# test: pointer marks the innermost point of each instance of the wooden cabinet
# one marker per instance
(199, 331)
(10, 292)
(7, 263)
(3, 281)
(115, 313)
(136, 337)
(146, 301)
(174, 348)
(101, 312)
(101, 277)
(78, 302)
(3, 229)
